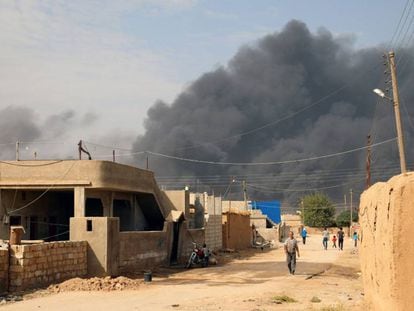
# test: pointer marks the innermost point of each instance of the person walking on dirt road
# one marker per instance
(325, 235)
(304, 235)
(340, 239)
(291, 248)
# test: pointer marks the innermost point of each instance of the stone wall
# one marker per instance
(4, 270)
(386, 247)
(42, 264)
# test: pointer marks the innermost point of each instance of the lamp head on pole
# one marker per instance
(379, 92)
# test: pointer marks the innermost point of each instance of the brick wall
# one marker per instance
(213, 232)
(38, 265)
(4, 267)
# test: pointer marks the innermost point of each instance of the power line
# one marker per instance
(270, 163)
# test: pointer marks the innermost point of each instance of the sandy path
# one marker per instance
(248, 283)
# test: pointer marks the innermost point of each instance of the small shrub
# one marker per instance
(315, 299)
(283, 299)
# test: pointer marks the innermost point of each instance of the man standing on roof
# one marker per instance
(291, 248)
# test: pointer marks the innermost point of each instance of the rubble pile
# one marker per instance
(96, 284)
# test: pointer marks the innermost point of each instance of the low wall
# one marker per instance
(140, 250)
(268, 234)
(42, 264)
(237, 232)
(386, 247)
(4, 270)
(213, 232)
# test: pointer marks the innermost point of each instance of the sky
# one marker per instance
(104, 63)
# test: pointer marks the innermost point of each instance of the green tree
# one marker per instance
(318, 210)
(342, 220)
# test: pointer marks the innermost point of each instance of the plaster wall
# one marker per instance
(102, 235)
(140, 250)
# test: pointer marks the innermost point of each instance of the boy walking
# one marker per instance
(334, 241)
(291, 248)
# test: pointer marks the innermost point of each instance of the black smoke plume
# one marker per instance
(279, 75)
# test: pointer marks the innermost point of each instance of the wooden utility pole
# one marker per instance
(245, 194)
(17, 150)
(368, 164)
(147, 158)
(396, 104)
(113, 155)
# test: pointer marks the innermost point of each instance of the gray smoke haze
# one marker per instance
(280, 74)
(23, 124)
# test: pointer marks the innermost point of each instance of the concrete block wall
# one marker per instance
(213, 232)
(43, 264)
(4, 270)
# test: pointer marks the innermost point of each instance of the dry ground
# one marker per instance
(250, 282)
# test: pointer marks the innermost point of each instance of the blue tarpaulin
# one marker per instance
(269, 208)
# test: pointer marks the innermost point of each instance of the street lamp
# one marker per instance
(381, 94)
(398, 124)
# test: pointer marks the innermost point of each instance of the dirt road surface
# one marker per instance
(254, 281)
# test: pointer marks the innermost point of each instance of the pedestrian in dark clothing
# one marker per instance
(341, 239)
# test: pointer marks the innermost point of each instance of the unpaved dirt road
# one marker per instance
(248, 283)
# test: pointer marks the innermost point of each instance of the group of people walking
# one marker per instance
(292, 249)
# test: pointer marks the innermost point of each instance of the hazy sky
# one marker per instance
(111, 60)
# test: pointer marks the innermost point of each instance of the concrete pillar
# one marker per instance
(79, 201)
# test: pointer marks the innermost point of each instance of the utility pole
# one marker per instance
(303, 212)
(113, 155)
(17, 150)
(368, 164)
(396, 104)
(245, 194)
(351, 207)
(147, 158)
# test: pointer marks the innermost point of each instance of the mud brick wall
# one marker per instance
(237, 232)
(386, 246)
(39, 265)
(4, 270)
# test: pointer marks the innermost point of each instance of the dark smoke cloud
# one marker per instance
(281, 74)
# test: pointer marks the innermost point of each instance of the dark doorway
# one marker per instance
(123, 210)
(34, 227)
(151, 211)
(93, 207)
(176, 238)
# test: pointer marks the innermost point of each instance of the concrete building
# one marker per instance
(201, 211)
(128, 222)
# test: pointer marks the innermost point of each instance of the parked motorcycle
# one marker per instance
(197, 256)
